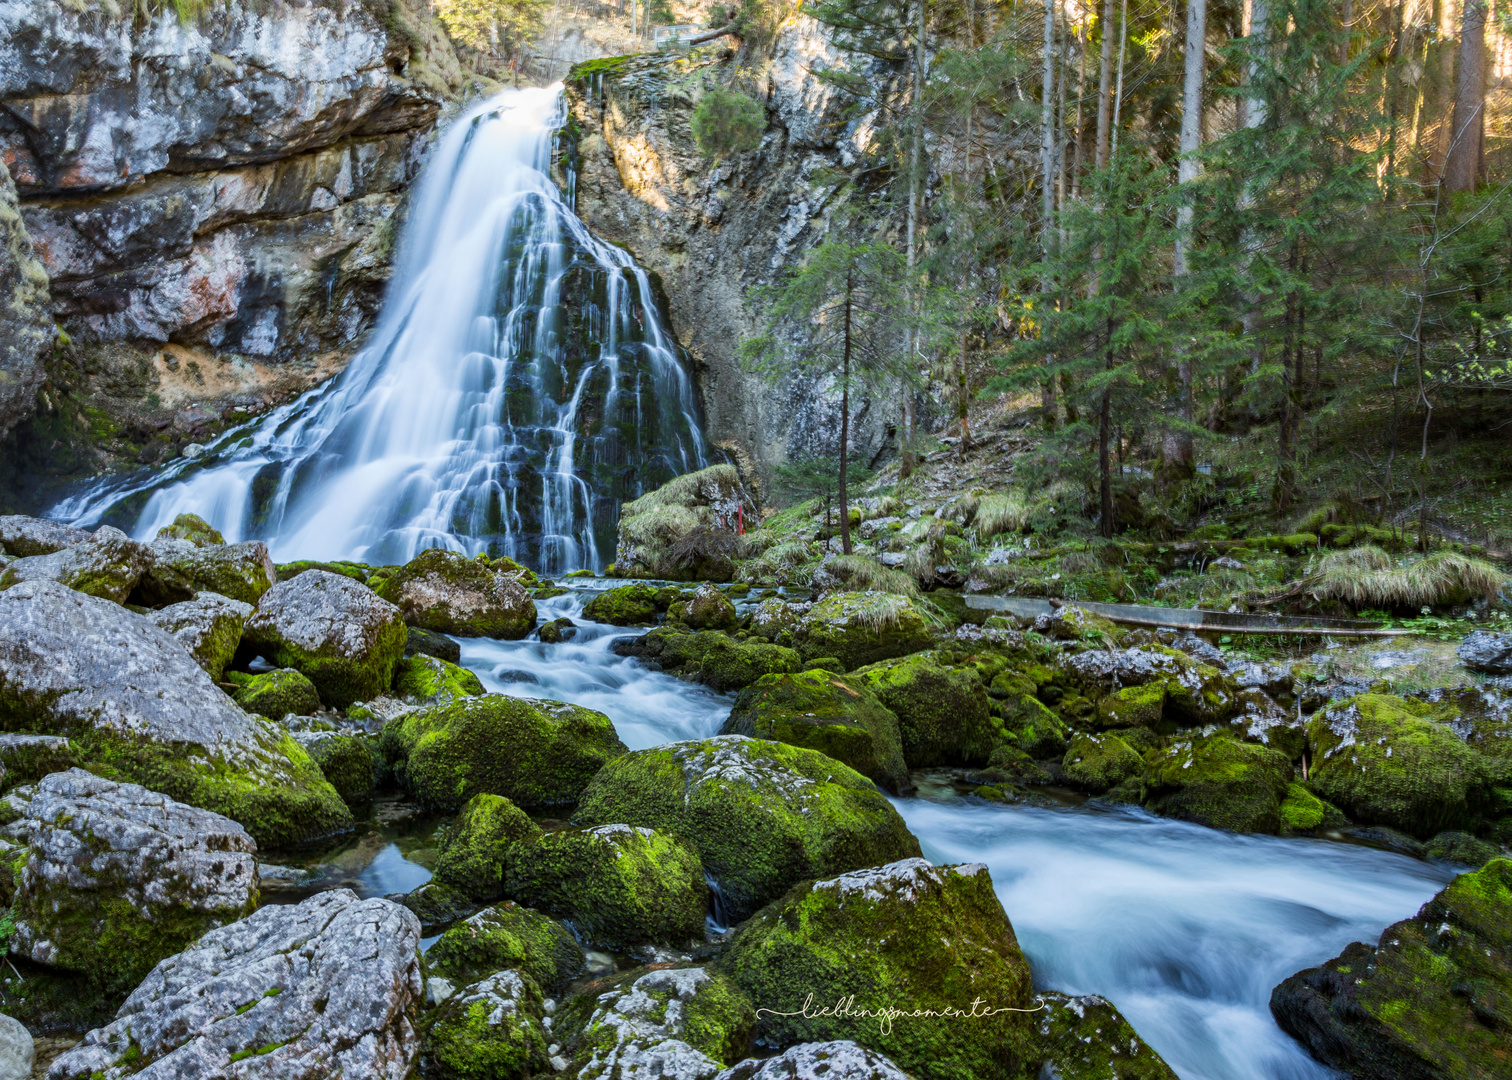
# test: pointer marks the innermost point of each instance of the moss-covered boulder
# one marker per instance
(1072, 623)
(681, 1022)
(107, 564)
(905, 936)
(761, 815)
(1195, 693)
(427, 680)
(710, 609)
(726, 665)
(437, 905)
(275, 694)
(341, 635)
(620, 885)
(182, 568)
(193, 528)
(137, 707)
(825, 712)
(490, 1030)
(345, 761)
(862, 628)
(1097, 763)
(26, 759)
(474, 854)
(1133, 706)
(557, 631)
(775, 620)
(1221, 782)
(448, 593)
(22, 536)
(1302, 812)
(636, 604)
(118, 877)
(1462, 848)
(1086, 1038)
(685, 530)
(536, 753)
(418, 642)
(944, 716)
(1432, 999)
(209, 626)
(1383, 760)
(508, 936)
(1032, 727)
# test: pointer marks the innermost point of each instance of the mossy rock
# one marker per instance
(193, 528)
(636, 604)
(276, 694)
(1382, 760)
(1096, 763)
(862, 628)
(25, 759)
(944, 716)
(1459, 847)
(1303, 812)
(418, 642)
(557, 631)
(1133, 706)
(345, 761)
(906, 936)
(536, 753)
(673, 1022)
(1088, 1039)
(437, 905)
(733, 665)
(508, 936)
(825, 712)
(1220, 782)
(1432, 999)
(761, 815)
(1033, 728)
(490, 1030)
(710, 609)
(182, 568)
(428, 680)
(448, 593)
(620, 885)
(1072, 623)
(355, 571)
(475, 852)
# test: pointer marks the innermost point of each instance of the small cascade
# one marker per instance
(718, 918)
(519, 386)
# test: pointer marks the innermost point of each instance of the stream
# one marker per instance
(1184, 928)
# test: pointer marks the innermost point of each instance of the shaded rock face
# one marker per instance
(22, 536)
(25, 325)
(107, 564)
(119, 877)
(712, 230)
(326, 989)
(209, 626)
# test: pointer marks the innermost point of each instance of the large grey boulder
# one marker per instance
(448, 593)
(336, 632)
(841, 1060)
(328, 989)
(118, 877)
(25, 323)
(108, 564)
(22, 536)
(1487, 652)
(209, 626)
(132, 698)
(16, 1050)
(182, 568)
(1196, 693)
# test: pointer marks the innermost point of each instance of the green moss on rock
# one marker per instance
(491, 1030)
(1220, 782)
(536, 753)
(508, 936)
(276, 694)
(345, 761)
(1099, 762)
(448, 593)
(637, 604)
(761, 815)
(1088, 1039)
(862, 628)
(826, 712)
(944, 717)
(1133, 706)
(474, 855)
(427, 680)
(193, 528)
(1302, 811)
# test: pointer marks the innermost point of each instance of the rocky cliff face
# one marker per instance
(25, 328)
(714, 230)
(214, 199)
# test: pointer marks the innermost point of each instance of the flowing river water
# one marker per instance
(1185, 929)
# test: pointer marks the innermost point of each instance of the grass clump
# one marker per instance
(1367, 577)
(999, 514)
(863, 574)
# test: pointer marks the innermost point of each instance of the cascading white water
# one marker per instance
(518, 387)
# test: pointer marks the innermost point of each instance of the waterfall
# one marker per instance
(519, 385)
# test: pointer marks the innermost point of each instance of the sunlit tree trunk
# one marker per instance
(1462, 166)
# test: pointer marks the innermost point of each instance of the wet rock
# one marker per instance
(119, 877)
(776, 620)
(1195, 693)
(133, 700)
(1088, 1039)
(338, 633)
(720, 662)
(436, 905)
(476, 850)
(907, 935)
(637, 604)
(16, 1050)
(448, 593)
(944, 717)
(862, 628)
(492, 1028)
(1220, 782)
(618, 884)
(558, 630)
(825, 712)
(182, 568)
(761, 815)
(275, 694)
(509, 936)
(429, 680)
(710, 609)
(209, 626)
(1098, 763)
(841, 1060)
(327, 988)
(1459, 847)
(1133, 706)
(1302, 812)
(1383, 760)
(1487, 652)
(683, 1023)
(418, 642)
(108, 565)
(536, 753)
(1433, 999)
(345, 762)
(26, 536)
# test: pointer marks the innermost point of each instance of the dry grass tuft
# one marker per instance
(1366, 577)
(865, 574)
(998, 514)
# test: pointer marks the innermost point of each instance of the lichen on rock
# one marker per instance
(862, 628)
(209, 626)
(448, 593)
(490, 1030)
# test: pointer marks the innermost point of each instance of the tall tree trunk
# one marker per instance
(1104, 433)
(1081, 95)
(1462, 167)
(1123, 42)
(1105, 87)
(1254, 117)
(845, 539)
(963, 392)
(1047, 189)
(906, 461)
(1178, 443)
